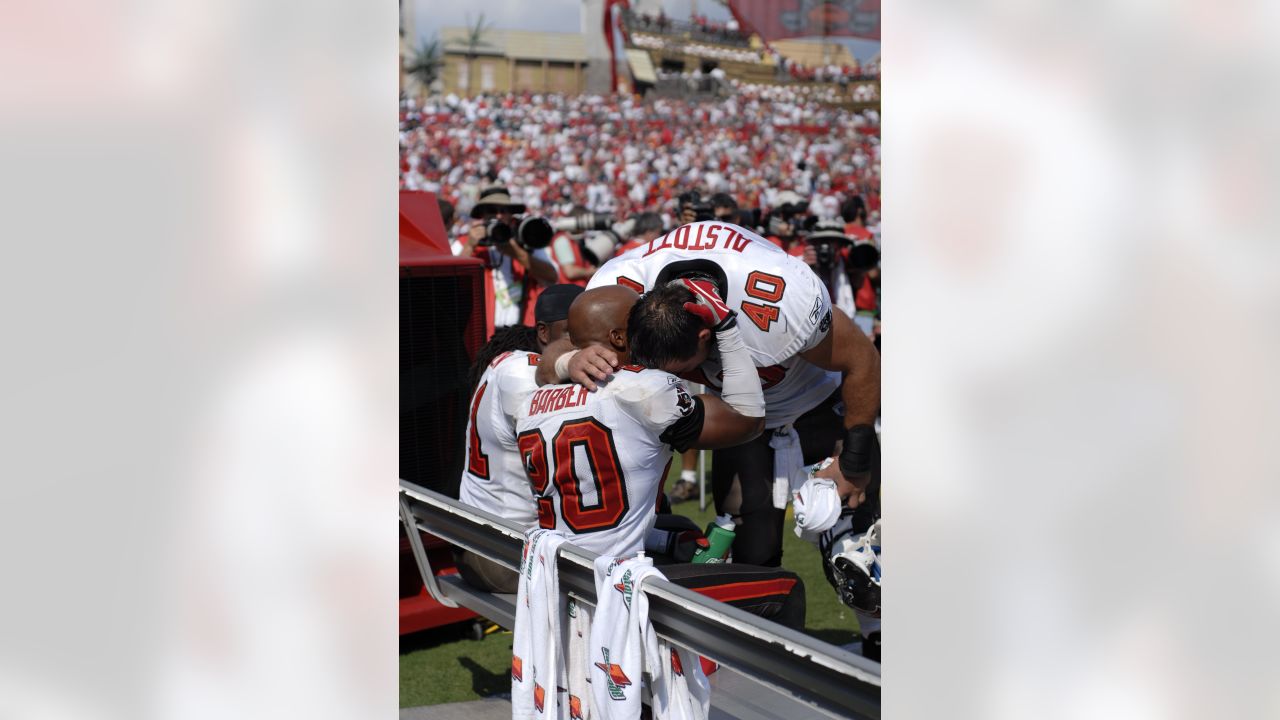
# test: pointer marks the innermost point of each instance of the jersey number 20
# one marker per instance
(603, 468)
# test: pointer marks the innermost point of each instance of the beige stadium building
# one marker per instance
(513, 61)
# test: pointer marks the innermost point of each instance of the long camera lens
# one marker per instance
(864, 256)
(496, 232)
(534, 233)
(583, 222)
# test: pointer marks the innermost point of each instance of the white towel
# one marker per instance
(623, 645)
(617, 637)
(536, 660)
(788, 464)
(679, 688)
(580, 703)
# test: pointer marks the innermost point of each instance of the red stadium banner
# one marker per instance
(780, 19)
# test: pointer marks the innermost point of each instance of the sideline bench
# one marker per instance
(766, 670)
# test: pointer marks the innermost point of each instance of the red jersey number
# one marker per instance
(533, 456)
(603, 468)
(767, 287)
(477, 461)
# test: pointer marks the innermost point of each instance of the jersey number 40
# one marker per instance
(763, 286)
(603, 468)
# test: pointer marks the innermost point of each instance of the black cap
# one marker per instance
(553, 304)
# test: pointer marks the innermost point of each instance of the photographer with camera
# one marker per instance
(691, 207)
(863, 263)
(514, 250)
(583, 242)
(784, 224)
(843, 266)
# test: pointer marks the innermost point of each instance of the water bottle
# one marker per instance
(719, 538)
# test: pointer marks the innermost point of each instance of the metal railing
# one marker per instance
(808, 672)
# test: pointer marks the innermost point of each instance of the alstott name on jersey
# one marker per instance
(705, 238)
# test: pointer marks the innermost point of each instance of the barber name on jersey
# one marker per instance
(556, 398)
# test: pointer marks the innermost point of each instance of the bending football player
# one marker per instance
(820, 377)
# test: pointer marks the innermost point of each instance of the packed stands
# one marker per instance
(687, 51)
(623, 155)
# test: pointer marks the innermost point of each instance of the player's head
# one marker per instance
(505, 339)
(665, 336)
(552, 312)
(599, 316)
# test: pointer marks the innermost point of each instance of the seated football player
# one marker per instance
(597, 460)
(493, 479)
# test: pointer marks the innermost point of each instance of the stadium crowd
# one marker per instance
(624, 156)
(764, 151)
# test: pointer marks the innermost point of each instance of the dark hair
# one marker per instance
(505, 339)
(647, 222)
(854, 208)
(724, 200)
(660, 330)
(446, 212)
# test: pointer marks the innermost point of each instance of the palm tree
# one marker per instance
(426, 63)
(475, 39)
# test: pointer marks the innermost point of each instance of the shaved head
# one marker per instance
(600, 316)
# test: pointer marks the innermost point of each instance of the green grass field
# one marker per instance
(443, 665)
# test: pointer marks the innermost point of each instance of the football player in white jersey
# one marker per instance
(600, 458)
(493, 478)
(597, 460)
(811, 359)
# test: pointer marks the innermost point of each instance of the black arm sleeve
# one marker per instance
(683, 433)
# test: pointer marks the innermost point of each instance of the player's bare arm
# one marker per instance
(848, 350)
(723, 427)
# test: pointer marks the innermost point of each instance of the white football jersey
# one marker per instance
(783, 308)
(493, 478)
(597, 460)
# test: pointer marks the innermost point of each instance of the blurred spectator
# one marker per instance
(783, 224)
(724, 207)
(566, 250)
(648, 228)
(830, 247)
(865, 280)
(446, 213)
(854, 213)
(514, 271)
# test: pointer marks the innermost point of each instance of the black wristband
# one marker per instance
(730, 320)
(860, 445)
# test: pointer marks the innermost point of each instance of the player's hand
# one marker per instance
(850, 494)
(708, 306)
(592, 363)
